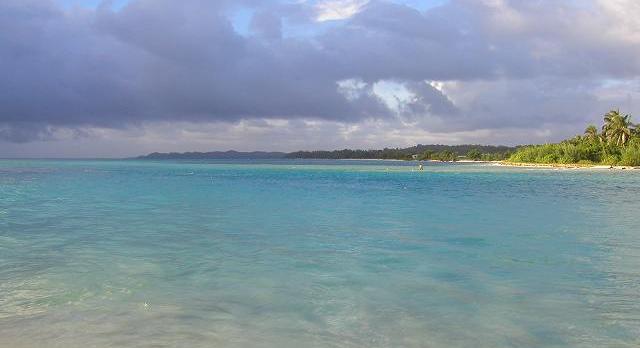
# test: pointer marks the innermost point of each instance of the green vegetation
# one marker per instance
(422, 152)
(501, 156)
(474, 154)
(444, 155)
(617, 144)
(354, 154)
(419, 152)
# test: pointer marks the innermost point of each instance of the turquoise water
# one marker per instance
(316, 254)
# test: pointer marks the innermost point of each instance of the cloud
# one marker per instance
(329, 10)
(492, 66)
(267, 25)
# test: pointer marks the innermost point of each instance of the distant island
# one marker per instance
(213, 155)
(418, 152)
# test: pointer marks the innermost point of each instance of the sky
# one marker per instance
(119, 78)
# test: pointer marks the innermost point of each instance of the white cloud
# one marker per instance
(329, 10)
(352, 89)
(393, 93)
(622, 18)
(504, 16)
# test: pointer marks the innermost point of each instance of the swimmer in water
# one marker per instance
(420, 167)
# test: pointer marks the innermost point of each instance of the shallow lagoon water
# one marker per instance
(316, 254)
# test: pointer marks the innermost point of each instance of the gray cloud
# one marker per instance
(267, 25)
(503, 64)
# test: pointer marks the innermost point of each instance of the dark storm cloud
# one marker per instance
(157, 60)
(161, 60)
(427, 99)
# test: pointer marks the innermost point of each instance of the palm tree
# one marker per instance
(617, 128)
(591, 133)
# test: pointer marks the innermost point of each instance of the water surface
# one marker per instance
(316, 254)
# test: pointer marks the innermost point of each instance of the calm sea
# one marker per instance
(316, 254)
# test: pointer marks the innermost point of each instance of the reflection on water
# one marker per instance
(316, 254)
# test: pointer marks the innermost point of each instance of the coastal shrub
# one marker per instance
(610, 159)
(525, 154)
(547, 153)
(498, 156)
(588, 151)
(548, 158)
(569, 153)
(631, 155)
(566, 152)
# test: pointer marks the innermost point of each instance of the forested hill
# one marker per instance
(214, 155)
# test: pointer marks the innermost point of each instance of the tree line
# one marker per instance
(418, 152)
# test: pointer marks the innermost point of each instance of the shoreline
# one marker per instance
(562, 166)
(556, 166)
(543, 165)
(359, 159)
